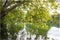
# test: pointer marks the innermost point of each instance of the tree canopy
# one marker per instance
(34, 13)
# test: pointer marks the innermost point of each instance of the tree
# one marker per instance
(39, 17)
(55, 19)
(5, 7)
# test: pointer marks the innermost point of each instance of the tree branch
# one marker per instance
(11, 7)
(4, 3)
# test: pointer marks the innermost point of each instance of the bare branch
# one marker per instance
(11, 7)
(4, 3)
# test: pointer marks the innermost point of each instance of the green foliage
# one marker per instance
(14, 21)
(37, 15)
(14, 28)
(0, 2)
(55, 19)
(41, 29)
(0, 6)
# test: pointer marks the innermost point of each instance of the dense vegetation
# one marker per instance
(34, 13)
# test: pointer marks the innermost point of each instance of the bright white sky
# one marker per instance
(58, 10)
(51, 11)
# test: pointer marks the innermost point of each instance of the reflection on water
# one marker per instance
(54, 33)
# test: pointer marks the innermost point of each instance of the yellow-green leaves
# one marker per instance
(35, 12)
(38, 14)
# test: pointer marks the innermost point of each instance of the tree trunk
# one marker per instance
(3, 29)
(3, 32)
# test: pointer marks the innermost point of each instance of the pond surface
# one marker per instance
(54, 33)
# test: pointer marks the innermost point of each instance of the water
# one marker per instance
(53, 34)
(22, 34)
